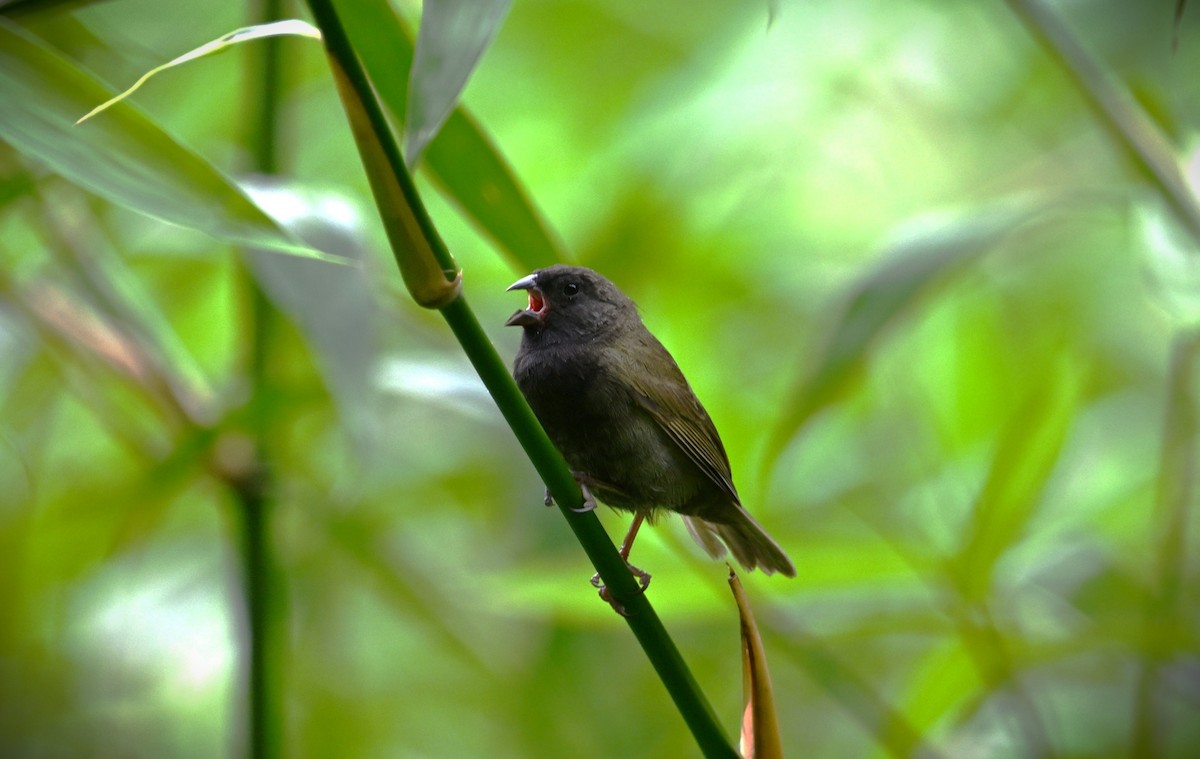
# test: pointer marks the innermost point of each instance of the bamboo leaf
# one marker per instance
(332, 306)
(856, 693)
(1026, 456)
(290, 27)
(122, 156)
(452, 39)
(882, 297)
(461, 159)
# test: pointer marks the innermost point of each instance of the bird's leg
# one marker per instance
(643, 577)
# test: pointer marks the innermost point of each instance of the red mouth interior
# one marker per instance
(537, 303)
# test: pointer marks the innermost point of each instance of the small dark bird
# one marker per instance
(621, 413)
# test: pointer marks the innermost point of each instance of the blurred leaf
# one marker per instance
(404, 586)
(884, 295)
(98, 366)
(332, 306)
(760, 723)
(857, 694)
(939, 683)
(461, 158)
(1172, 269)
(1028, 451)
(452, 38)
(109, 285)
(122, 156)
(290, 27)
(149, 500)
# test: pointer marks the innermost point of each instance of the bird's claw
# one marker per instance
(589, 500)
(616, 605)
(643, 578)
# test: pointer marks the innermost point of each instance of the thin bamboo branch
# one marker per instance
(1176, 496)
(1128, 126)
(252, 483)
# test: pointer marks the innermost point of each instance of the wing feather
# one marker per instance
(693, 431)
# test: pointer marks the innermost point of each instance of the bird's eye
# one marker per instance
(570, 289)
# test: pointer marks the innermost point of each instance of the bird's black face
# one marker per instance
(569, 301)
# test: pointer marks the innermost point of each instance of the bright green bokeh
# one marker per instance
(989, 510)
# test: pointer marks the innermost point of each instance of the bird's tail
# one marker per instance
(747, 540)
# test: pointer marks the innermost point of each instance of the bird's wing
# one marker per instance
(693, 431)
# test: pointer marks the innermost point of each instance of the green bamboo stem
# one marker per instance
(253, 492)
(1175, 498)
(642, 619)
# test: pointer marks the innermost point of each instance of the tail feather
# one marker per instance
(749, 542)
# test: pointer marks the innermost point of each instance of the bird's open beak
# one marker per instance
(535, 315)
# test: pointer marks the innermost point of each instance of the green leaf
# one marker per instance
(332, 306)
(453, 36)
(290, 27)
(122, 155)
(1026, 456)
(883, 296)
(854, 692)
(461, 159)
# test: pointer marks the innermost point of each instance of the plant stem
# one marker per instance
(1176, 495)
(1130, 128)
(254, 491)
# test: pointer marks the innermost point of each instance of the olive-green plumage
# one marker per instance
(616, 405)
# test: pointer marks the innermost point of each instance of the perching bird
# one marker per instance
(618, 408)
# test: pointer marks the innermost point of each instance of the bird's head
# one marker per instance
(571, 302)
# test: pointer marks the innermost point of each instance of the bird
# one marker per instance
(616, 405)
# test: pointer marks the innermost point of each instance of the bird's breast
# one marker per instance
(593, 419)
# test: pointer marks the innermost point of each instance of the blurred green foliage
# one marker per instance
(946, 328)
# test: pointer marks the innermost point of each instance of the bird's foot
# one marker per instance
(642, 576)
(589, 500)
